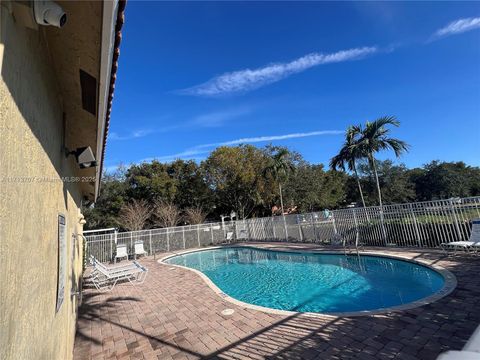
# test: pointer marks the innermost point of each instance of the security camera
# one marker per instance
(49, 13)
(84, 157)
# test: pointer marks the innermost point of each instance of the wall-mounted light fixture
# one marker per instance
(83, 156)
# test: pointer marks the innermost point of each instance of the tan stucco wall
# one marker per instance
(31, 148)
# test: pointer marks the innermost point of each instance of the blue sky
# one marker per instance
(196, 75)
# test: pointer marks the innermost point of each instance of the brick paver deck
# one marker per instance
(176, 315)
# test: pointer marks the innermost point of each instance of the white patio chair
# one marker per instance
(475, 235)
(105, 280)
(473, 242)
(121, 252)
(139, 250)
(229, 236)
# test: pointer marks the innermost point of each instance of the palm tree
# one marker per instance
(279, 168)
(349, 154)
(375, 138)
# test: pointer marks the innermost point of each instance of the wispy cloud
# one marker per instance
(205, 120)
(219, 118)
(133, 135)
(245, 80)
(258, 139)
(193, 153)
(199, 151)
(457, 27)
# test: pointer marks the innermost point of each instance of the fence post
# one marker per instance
(357, 233)
(415, 225)
(131, 245)
(273, 228)
(262, 221)
(116, 242)
(111, 247)
(183, 237)
(150, 241)
(285, 226)
(312, 218)
(223, 228)
(459, 233)
(300, 230)
(168, 242)
(198, 235)
(115, 238)
(333, 222)
(211, 230)
(382, 222)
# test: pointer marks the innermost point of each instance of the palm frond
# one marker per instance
(338, 162)
(398, 146)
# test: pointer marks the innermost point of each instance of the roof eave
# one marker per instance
(112, 22)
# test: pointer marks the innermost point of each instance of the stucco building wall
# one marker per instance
(31, 148)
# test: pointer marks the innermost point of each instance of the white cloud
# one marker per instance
(216, 119)
(192, 153)
(245, 80)
(206, 120)
(199, 151)
(133, 135)
(458, 26)
(258, 139)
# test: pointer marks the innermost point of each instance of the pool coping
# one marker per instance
(448, 286)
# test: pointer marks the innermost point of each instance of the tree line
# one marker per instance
(274, 180)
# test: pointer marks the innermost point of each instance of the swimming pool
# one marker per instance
(313, 282)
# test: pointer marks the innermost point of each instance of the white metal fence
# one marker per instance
(422, 224)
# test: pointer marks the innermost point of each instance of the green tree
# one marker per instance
(310, 188)
(395, 181)
(151, 181)
(234, 174)
(333, 190)
(375, 137)
(279, 167)
(304, 187)
(348, 156)
(104, 213)
(443, 180)
(192, 190)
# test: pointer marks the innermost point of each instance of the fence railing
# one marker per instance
(422, 224)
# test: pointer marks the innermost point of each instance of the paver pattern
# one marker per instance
(176, 315)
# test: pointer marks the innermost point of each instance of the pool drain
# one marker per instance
(228, 312)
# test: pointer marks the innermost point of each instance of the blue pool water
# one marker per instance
(308, 282)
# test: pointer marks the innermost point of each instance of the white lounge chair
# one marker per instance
(105, 280)
(139, 250)
(112, 269)
(229, 236)
(121, 252)
(473, 243)
(471, 350)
